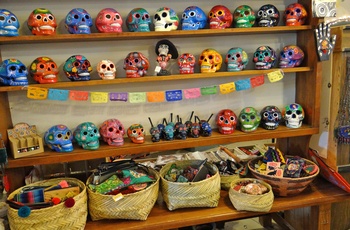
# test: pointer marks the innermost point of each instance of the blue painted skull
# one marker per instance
(78, 21)
(138, 20)
(236, 59)
(270, 117)
(264, 57)
(268, 15)
(87, 136)
(291, 56)
(77, 68)
(13, 73)
(193, 18)
(59, 138)
(9, 23)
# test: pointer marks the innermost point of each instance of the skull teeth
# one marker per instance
(50, 76)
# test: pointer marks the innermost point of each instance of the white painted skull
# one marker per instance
(165, 19)
(293, 115)
(106, 69)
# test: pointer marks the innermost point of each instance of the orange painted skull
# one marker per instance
(295, 15)
(42, 22)
(136, 133)
(44, 70)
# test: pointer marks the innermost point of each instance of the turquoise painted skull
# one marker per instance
(87, 136)
(243, 17)
(236, 59)
(249, 119)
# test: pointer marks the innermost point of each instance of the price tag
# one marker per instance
(275, 76)
(99, 97)
(58, 94)
(138, 97)
(257, 81)
(118, 96)
(192, 93)
(243, 84)
(227, 88)
(78, 95)
(209, 90)
(37, 93)
(156, 96)
(173, 95)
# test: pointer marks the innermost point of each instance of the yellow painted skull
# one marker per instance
(210, 61)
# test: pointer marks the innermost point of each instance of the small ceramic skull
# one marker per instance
(9, 23)
(267, 16)
(77, 68)
(270, 117)
(165, 19)
(186, 63)
(264, 57)
(243, 17)
(226, 121)
(236, 59)
(59, 138)
(87, 136)
(138, 20)
(44, 70)
(295, 15)
(136, 65)
(13, 73)
(205, 128)
(194, 130)
(220, 17)
(42, 22)
(291, 56)
(169, 132)
(112, 132)
(249, 119)
(136, 133)
(180, 131)
(210, 61)
(108, 20)
(155, 132)
(106, 69)
(193, 18)
(78, 21)
(293, 115)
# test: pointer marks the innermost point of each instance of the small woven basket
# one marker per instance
(55, 217)
(248, 202)
(133, 206)
(204, 193)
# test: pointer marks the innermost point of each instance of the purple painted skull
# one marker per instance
(291, 56)
(59, 138)
(78, 21)
(112, 132)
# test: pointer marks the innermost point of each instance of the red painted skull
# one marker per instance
(186, 63)
(112, 132)
(226, 120)
(136, 65)
(44, 70)
(295, 15)
(220, 17)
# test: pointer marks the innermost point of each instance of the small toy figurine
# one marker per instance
(165, 50)
(44, 70)
(109, 20)
(9, 23)
(154, 131)
(13, 73)
(42, 22)
(78, 21)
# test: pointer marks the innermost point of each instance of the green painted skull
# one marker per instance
(243, 17)
(87, 136)
(249, 119)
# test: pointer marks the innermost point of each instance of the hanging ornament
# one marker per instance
(325, 42)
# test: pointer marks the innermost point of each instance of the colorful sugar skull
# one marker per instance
(293, 115)
(13, 73)
(291, 56)
(236, 59)
(87, 136)
(78, 21)
(112, 132)
(220, 17)
(136, 133)
(264, 57)
(109, 20)
(249, 119)
(243, 17)
(267, 16)
(165, 19)
(193, 18)
(295, 15)
(194, 130)
(42, 22)
(44, 70)
(210, 61)
(77, 68)
(59, 138)
(205, 128)
(226, 120)
(155, 132)
(270, 117)
(106, 69)
(9, 23)
(136, 65)
(138, 20)
(169, 132)
(186, 63)
(180, 131)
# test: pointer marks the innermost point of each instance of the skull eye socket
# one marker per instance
(59, 136)
(134, 131)
(13, 68)
(221, 118)
(246, 12)
(120, 128)
(108, 16)
(189, 59)
(137, 15)
(289, 112)
(298, 10)
(76, 16)
(110, 129)
(265, 114)
(38, 16)
(202, 57)
(220, 12)
(41, 66)
(181, 59)
(76, 64)
(50, 17)
(87, 16)
(2, 18)
(86, 63)
(211, 14)
(95, 131)
(22, 67)
(270, 11)
(141, 130)
(146, 16)
(243, 117)
(252, 117)
(232, 118)
(192, 13)
(298, 112)
(266, 54)
(111, 66)
(275, 114)
(287, 11)
(85, 133)
(211, 57)
(229, 56)
(238, 55)
(136, 60)
(260, 13)
(290, 53)
(103, 66)
(53, 65)
(164, 14)
(117, 16)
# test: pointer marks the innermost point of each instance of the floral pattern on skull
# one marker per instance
(78, 21)
(138, 20)
(13, 73)
(59, 138)
(87, 136)
(271, 117)
(112, 132)
(165, 19)
(136, 65)
(210, 61)
(264, 57)
(186, 63)
(295, 15)
(291, 56)
(42, 22)
(243, 17)
(236, 59)
(44, 70)
(77, 68)
(220, 17)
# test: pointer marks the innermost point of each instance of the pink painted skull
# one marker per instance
(112, 132)
(295, 15)
(186, 63)
(136, 65)
(220, 17)
(109, 20)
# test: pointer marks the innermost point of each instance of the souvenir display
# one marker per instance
(138, 20)
(243, 17)
(136, 65)
(165, 50)
(78, 21)
(236, 59)
(226, 120)
(112, 132)
(293, 115)
(13, 73)
(295, 15)
(77, 68)
(264, 57)
(165, 19)
(59, 138)
(87, 136)
(186, 63)
(325, 41)
(106, 69)
(249, 119)
(9, 23)
(291, 56)
(136, 133)
(220, 17)
(108, 20)
(42, 22)
(271, 117)
(267, 16)
(193, 18)
(210, 61)
(154, 131)
(44, 70)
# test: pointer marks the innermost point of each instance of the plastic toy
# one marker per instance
(106, 69)
(108, 20)
(271, 117)
(136, 133)
(44, 70)
(136, 65)
(165, 50)
(210, 61)
(9, 23)
(293, 115)
(77, 68)
(186, 63)
(226, 120)
(264, 57)
(112, 132)
(267, 16)
(87, 136)
(243, 17)
(236, 59)
(249, 119)
(193, 18)
(220, 17)
(13, 73)
(295, 15)
(138, 20)
(291, 56)
(78, 21)
(42, 22)
(165, 19)
(59, 138)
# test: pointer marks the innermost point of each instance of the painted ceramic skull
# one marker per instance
(194, 130)
(13, 72)
(295, 15)
(108, 20)
(293, 115)
(220, 17)
(87, 136)
(210, 61)
(136, 133)
(44, 70)
(112, 132)
(243, 17)
(186, 63)
(59, 138)
(9, 23)
(249, 119)
(268, 15)
(264, 57)
(169, 132)
(77, 68)
(154, 131)
(138, 20)
(180, 131)
(205, 128)
(106, 69)
(236, 59)
(78, 21)
(165, 19)
(271, 117)
(42, 22)
(291, 56)
(136, 65)
(226, 121)
(193, 18)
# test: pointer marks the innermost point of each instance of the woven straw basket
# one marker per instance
(133, 206)
(55, 217)
(248, 202)
(226, 181)
(204, 193)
